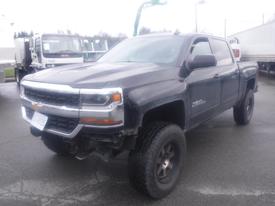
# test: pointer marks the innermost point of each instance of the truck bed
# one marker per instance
(247, 64)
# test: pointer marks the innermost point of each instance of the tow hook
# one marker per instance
(105, 155)
(84, 154)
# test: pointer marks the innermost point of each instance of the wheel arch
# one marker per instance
(171, 111)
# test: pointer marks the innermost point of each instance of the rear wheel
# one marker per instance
(244, 111)
(156, 164)
(58, 145)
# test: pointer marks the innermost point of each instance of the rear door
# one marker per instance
(204, 85)
(228, 72)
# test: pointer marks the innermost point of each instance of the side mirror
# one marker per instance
(202, 61)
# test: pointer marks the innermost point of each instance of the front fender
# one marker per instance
(143, 99)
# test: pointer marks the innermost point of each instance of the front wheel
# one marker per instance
(156, 163)
(244, 111)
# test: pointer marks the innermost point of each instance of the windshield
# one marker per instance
(159, 50)
(60, 44)
(98, 45)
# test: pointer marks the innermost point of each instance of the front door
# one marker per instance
(204, 85)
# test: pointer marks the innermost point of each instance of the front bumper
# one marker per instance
(70, 114)
(71, 134)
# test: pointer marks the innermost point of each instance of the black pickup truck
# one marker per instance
(142, 96)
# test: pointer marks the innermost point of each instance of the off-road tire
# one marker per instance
(244, 110)
(143, 160)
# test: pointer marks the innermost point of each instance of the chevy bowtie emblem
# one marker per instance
(36, 106)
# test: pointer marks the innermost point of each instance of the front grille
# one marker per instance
(53, 98)
(57, 123)
(62, 124)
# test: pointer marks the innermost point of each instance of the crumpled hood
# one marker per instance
(104, 75)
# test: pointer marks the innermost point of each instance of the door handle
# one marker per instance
(216, 76)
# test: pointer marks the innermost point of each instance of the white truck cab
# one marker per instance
(43, 51)
(51, 50)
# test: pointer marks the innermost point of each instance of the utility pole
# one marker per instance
(143, 5)
(138, 17)
(225, 28)
(196, 13)
(196, 17)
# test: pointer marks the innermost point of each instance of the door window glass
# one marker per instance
(201, 48)
(222, 52)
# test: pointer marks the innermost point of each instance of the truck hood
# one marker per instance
(106, 75)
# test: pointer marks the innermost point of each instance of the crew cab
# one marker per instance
(141, 96)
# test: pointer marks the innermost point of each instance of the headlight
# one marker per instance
(101, 97)
(102, 107)
(95, 99)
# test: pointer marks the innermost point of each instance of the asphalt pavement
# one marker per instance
(227, 164)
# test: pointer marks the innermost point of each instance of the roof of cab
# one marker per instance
(188, 35)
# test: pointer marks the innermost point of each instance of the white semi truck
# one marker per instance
(257, 44)
(43, 51)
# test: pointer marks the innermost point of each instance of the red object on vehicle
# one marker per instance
(236, 53)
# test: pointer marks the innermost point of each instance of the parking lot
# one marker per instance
(227, 164)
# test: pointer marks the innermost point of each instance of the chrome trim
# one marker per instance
(101, 91)
(102, 126)
(51, 109)
(70, 135)
(60, 88)
(67, 135)
(114, 110)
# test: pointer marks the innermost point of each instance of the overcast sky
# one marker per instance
(89, 17)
